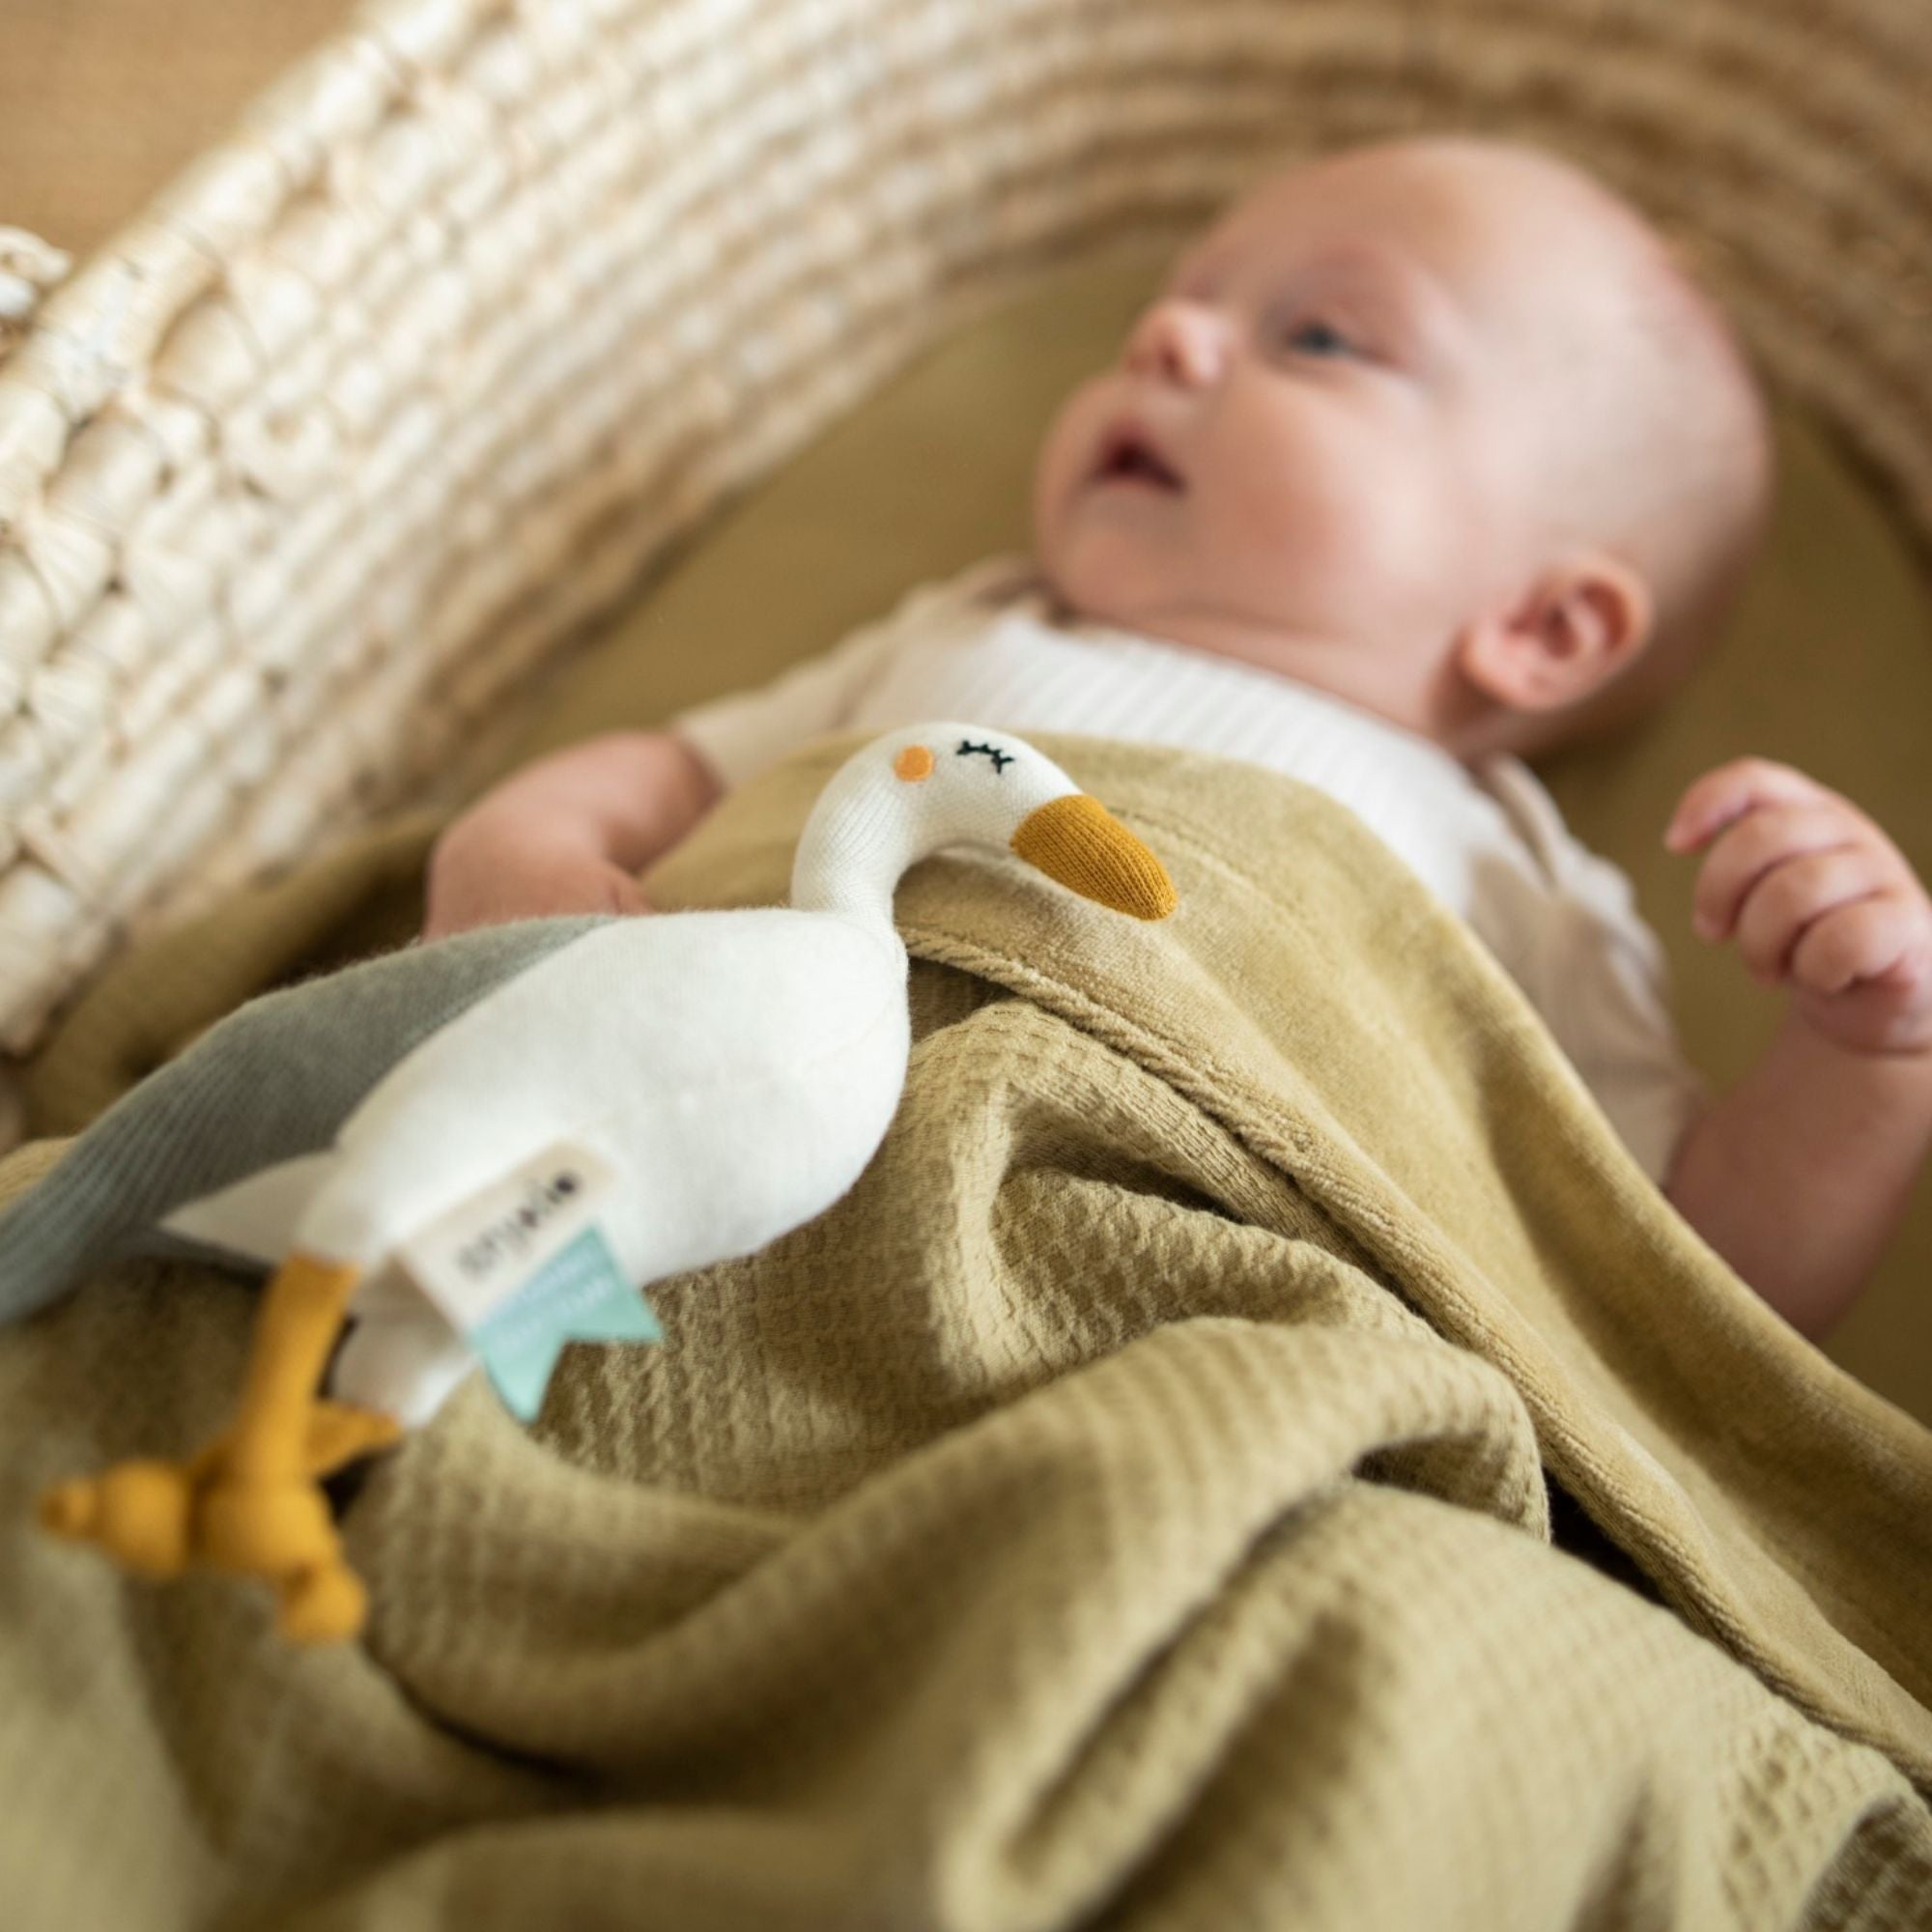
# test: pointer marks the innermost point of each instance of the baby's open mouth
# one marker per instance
(1127, 457)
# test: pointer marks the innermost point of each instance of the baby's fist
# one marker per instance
(1818, 898)
(489, 867)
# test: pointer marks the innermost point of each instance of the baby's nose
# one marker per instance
(1183, 341)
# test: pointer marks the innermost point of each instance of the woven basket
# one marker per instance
(486, 306)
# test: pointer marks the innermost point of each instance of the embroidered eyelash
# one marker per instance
(1001, 759)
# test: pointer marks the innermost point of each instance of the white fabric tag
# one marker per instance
(473, 1259)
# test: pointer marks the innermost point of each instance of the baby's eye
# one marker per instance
(1316, 337)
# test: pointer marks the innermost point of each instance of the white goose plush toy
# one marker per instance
(442, 1145)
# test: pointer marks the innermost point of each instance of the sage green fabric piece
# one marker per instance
(1127, 1508)
(361, 899)
(272, 1081)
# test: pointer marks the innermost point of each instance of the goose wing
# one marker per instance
(271, 1083)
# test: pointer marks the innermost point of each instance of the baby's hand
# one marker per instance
(487, 870)
(1815, 895)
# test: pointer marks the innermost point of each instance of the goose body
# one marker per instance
(735, 1070)
(753, 1071)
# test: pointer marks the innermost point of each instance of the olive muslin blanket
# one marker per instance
(1252, 1450)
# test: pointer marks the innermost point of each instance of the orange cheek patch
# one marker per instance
(912, 764)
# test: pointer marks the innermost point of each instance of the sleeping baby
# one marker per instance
(1427, 458)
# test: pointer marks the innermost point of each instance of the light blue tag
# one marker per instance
(577, 1295)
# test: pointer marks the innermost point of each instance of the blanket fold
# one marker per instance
(1130, 1506)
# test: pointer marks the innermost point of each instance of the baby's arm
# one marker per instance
(569, 833)
(1800, 1175)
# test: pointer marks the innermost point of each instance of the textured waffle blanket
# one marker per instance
(1252, 1450)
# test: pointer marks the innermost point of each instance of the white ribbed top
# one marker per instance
(1488, 839)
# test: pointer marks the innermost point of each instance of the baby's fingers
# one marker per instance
(1748, 851)
(1728, 792)
(1789, 897)
(1854, 943)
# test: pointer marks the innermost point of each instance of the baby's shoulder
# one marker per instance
(1536, 820)
(1597, 900)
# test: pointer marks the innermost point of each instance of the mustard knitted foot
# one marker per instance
(250, 1503)
(157, 1518)
(253, 1528)
(138, 1511)
(326, 1604)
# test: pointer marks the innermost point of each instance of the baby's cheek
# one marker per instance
(1303, 516)
(1399, 528)
(1059, 461)
(1358, 543)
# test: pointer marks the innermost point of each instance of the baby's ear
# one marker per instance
(1581, 622)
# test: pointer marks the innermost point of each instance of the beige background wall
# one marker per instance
(102, 100)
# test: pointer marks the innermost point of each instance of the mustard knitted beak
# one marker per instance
(1078, 842)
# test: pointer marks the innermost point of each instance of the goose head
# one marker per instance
(925, 786)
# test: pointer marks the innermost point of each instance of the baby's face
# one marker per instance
(1350, 378)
